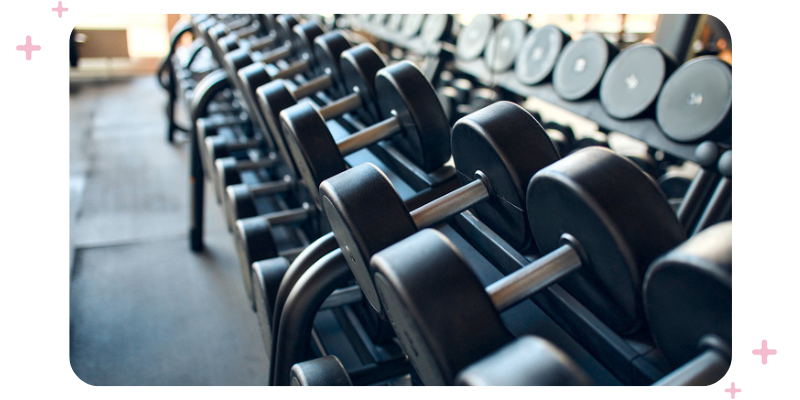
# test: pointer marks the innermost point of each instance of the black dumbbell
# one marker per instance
(596, 242)
(687, 299)
(329, 371)
(695, 103)
(354, 68)
(562, 136)
(504, 45)
(472, 39)
(254, 240)
(286, 28)
(581, 65)
(631, 84)
(527, 361)
(413, 119)
(539, 54)
(496, 152)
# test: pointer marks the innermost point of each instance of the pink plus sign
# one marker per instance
(60, 9)
(764, 352)
(733, 390)
(28, 48)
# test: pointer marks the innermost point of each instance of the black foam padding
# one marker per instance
(472, 38)
(254, 242)
(539, 53)
(436, 27)
(633, 80)
(580, 67)
(311, 145)
(527, 361)
(620, 219)
(366, 215)
(412, 24)
(504, 44)
(505, 143)
(442, 315)
(687, 294)
(404, 91)
(695, 103)
(323, 371)
(359, 66)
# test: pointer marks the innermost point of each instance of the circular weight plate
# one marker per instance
(312, 147)
(438, 308)
(506, 144)
(254, 242)
(695, 103)
(273, 98)
(403, 90)
(359, 67)
(633, 80)
(619, 217)
(328, 49)
(239, 203)
(504, 44)
(366, 215)
(581, 66)
(303, 38)
(412, 24)
(472, 39)
(539, 53)
(251, 78)
(687, 294)
(395, 22)
(266, 276)
(436, 27)
(285, 24)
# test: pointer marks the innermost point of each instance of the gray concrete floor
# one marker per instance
(144, 310)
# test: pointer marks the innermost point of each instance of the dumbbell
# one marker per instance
(412, 24)
(496, 152)
(538, 55)
(687, 299)
(329, 371)
(504, 45)
(285, 35)
(599, 222)
(354, 69)
(527, 361)
(413, 119)
(695, 103)
(436, 28)
(254, 240)
(581, 65)
(633, 80)
(276, 29)
(359, 67)
(472, 38)
(328, 48)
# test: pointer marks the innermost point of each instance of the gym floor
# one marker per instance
(144, 310)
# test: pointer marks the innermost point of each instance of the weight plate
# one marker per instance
(506, 144)
(239, 203)
(359, 67)
(695, 103)
(403, 90)
(254, 242)
(303, 38)
(366, 215)
(441, 313)
(395, 22)
(312, 146)
(472, 39)
(273, 98)
(504, 44)
(539, 53)
(266, 276)
(581, 65)
(436, 27)
(328, 50)
(285, 24)
(619, 217)
(412, 24)
(687, 294)
(633, 80)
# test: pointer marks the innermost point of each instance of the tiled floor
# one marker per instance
(144, 310)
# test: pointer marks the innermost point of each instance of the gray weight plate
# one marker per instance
(633, 80)
(539, 53)
(472, 38)
(504, 45)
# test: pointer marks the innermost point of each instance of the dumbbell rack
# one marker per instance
(632, 361)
